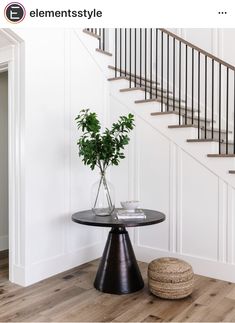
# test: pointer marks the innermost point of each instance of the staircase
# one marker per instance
(175, 77)
(181, 156)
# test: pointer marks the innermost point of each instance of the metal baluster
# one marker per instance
(234, 112)
(140, 57)
(130, 61)
(151, 61)
(212, 101)
(179, 82)
(198, 96)
(99, 38)
(192, 85)
(186, 84)
(125, 50)
(156, 77)
(145, 63)
(205, 97)
(167, 80)
(135, 57)
(162, 71)
(173, 74)
(220, 108)
(227, 109)
(120, 49)
(115, 52)
(103, 39)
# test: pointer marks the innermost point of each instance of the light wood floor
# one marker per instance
(70, 297)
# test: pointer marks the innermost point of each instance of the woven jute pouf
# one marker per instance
(170, 278)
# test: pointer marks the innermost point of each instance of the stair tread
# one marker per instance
(182, 114)
(91, 34)
(132, 75)
(142, 85)
(142, 88)
(170, 105)
(117, 78)
(135, 88)
(195, 126)
(210, 140)
(157, 100)
(220, 155)
(103, 52)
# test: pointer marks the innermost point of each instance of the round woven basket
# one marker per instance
(170, 278)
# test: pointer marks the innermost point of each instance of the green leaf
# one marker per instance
(102, 149)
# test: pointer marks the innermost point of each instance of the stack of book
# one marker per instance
(127, 215)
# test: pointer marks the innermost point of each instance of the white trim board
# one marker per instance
(4, 243)
(201, 266)
(46, 268)
(11, 57)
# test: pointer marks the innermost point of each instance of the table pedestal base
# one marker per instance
(118, 272)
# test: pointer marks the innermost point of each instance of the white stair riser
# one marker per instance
(116, 85)
(204, 148)
(223, 148)
(133, 95)
(215, 135)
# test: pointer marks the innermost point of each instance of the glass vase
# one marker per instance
(102, 197)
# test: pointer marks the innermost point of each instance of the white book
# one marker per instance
(137, 214)
(129, 217)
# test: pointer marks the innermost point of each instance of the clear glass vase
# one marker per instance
(102, 197)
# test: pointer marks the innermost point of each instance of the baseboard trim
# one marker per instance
(201, 266)
(50, 267)
(4, 243)
(18, 275)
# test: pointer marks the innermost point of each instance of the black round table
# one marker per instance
(118, 272)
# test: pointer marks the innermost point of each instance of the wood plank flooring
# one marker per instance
(70, 297)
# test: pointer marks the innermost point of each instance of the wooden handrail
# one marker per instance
(202, 51)
(156, 73)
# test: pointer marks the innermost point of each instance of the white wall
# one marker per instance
(3, 161)
(215, 41)
(61, 78)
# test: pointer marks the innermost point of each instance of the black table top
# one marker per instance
(89, 218)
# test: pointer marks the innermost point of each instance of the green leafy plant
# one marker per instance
(102, 149)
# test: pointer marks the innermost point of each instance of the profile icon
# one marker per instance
(14, 12)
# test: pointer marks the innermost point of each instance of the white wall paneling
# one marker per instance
(173, 198)
(61, 78)
(153, 170)
(177, 178)
(230, 225)
(222, 223)
(63, 74)
(199, 213)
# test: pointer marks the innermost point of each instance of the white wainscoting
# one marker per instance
(61, 78)
(63, 74)
(198, 203)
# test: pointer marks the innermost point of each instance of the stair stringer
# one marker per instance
(91, 43)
